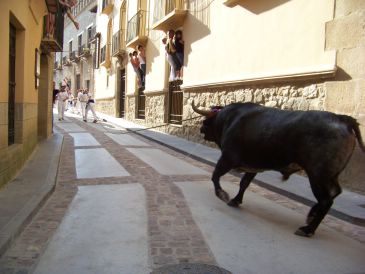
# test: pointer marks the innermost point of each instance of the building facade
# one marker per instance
(31, 31)
(75, 64)
(298, 54)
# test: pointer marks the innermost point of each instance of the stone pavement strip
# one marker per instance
(176, 232)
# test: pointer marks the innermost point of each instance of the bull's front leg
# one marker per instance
(245, 181)
(222, 167)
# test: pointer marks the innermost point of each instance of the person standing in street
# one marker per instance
(78, 102)
(84, 98)
(62, 97)
(90, 106)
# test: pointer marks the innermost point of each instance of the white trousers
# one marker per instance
(90, 106)
(83, 110)
(61, 109)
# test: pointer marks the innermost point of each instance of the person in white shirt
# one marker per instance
(90, 106)
(142, 64)
(80, 109)
(62, 97)
(84, 98)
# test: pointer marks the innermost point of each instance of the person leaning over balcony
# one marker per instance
(135, 64)
(142, 63)
(179, 46)
(66, 8)
(62, 97)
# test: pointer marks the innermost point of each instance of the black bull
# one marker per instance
(255, 138)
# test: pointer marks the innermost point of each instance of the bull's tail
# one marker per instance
(353, 125)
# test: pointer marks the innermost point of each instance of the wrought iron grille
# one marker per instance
(175, 103)
(164, 7)
(141, 105)
(136, 26)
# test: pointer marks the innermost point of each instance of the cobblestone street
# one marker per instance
(177, 227)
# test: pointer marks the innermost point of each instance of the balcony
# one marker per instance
(84, 50)
(107, 6)
(66, 62)
(118, 46)
(52, 40)
(169, 14)
(136, 30)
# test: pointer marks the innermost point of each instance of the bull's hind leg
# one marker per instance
(245, 181)
(325, 193)
(222, 167)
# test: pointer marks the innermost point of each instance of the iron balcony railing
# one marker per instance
(136, 26)
(52, 40)
(164, 7)
(118, 42)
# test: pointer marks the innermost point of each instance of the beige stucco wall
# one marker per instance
(27, 17)
(256, 39)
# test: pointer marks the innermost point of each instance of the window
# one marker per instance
(96, 57)
(89, 36)
(79, 43)
(69, 49)
(102, 54)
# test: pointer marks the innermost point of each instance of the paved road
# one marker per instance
(124, 204)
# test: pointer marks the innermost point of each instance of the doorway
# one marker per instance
(11, 99)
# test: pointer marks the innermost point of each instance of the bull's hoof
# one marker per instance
(304, 232)
(221, 194)
(233, 203)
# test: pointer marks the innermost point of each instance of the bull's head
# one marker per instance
(208, 124)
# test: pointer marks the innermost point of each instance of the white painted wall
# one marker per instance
(255, 39)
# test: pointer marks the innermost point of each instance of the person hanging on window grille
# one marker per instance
(142, 63)
(179, 46)
(90, 106)
(171, 56)
(62, 97)
(135, 64)
(66, 9)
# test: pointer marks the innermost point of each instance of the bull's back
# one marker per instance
(271, 138)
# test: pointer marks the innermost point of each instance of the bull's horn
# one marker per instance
(201, 111)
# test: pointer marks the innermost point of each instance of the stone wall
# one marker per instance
(106, 106)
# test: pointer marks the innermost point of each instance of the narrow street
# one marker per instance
(125, 204)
